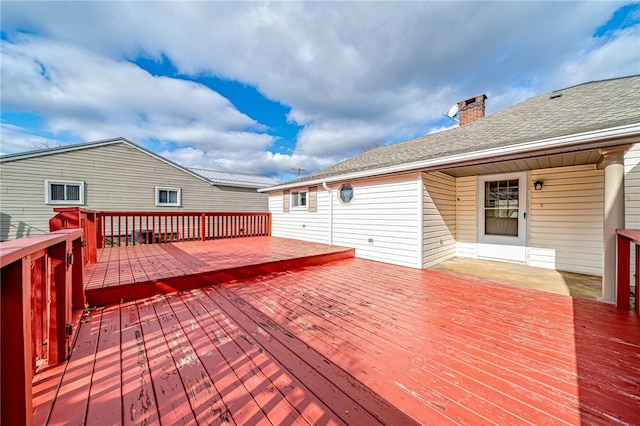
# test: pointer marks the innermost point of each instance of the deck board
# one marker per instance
(352, 342)
(132, 272)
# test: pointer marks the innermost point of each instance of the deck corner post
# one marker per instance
(15, 344)
(623, 264)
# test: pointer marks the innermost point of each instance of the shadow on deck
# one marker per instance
(348, 342)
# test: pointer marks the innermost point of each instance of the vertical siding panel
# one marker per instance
(566, 219)
(286, 201)
(313, 199)
(439, 218)
(466, 216)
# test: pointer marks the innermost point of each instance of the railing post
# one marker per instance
(15, 344)
(60, 256)
(77, 276)
(623, 253)
(269, 224)
(203, 222)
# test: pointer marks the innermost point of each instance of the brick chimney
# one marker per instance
(471, 109)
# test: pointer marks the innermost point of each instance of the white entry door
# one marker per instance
(502, 217)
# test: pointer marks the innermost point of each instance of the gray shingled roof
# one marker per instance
(235, 179)
(583, 108)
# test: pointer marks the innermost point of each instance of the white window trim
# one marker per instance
(521, 239)
(165, 188)
(296, 195)
(47, 192)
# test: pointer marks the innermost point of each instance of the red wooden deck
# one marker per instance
(133, 272)
(350, 342)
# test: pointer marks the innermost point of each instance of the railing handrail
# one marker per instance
(42, 282)
(14, 250)
(180, 213)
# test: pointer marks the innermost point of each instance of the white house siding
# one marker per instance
(300, 224)
(383, 221)
(439, 218)
(116, 176)
(632, 193)
(466, 216)
(566, 219)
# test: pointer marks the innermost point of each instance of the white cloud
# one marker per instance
(94, 97)
(257, 163)
(620, 53)
(352, 72)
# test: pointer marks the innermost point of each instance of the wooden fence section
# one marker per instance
(625, 238)
(130, 228)
(103, 229)
(41, 282)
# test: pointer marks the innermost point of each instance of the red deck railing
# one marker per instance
(102, 229)
(127, 228)
(41, 282)
(625, 238)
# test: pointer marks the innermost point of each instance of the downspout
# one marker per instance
(326, 188)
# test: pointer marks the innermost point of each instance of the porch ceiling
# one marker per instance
(487, 167)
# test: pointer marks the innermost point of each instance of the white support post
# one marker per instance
(613, 217)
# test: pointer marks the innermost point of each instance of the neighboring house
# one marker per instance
(115, 175)
(541, 183)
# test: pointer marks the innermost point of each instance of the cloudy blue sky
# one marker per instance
(266, 87)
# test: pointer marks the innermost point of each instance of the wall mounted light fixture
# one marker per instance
(537, 185)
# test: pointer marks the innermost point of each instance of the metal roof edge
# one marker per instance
(577, 139)
(60, 149)
(223, 182)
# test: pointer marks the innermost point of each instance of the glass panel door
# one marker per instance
(501, 207)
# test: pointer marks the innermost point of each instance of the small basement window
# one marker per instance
(64, 192)
(168, 196)
(299, 199)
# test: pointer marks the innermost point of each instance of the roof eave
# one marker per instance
(628, 134)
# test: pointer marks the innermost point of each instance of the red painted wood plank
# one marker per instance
(210, 342)
(266, 394)
(104, 406)
(373, 368)
(71, 401)
(351, 403)
(606, 371)
(45, 388)
(138, 398)
(206, 405)
(173, 404)
(298, 284)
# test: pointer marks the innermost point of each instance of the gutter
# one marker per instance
(326, 188)
(628, 134)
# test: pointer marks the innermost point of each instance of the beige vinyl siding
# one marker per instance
(117, 177)
(300, 224)
(383, 221)
(439, 218)
(632, 195)
(566, 219)
(466, 216)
